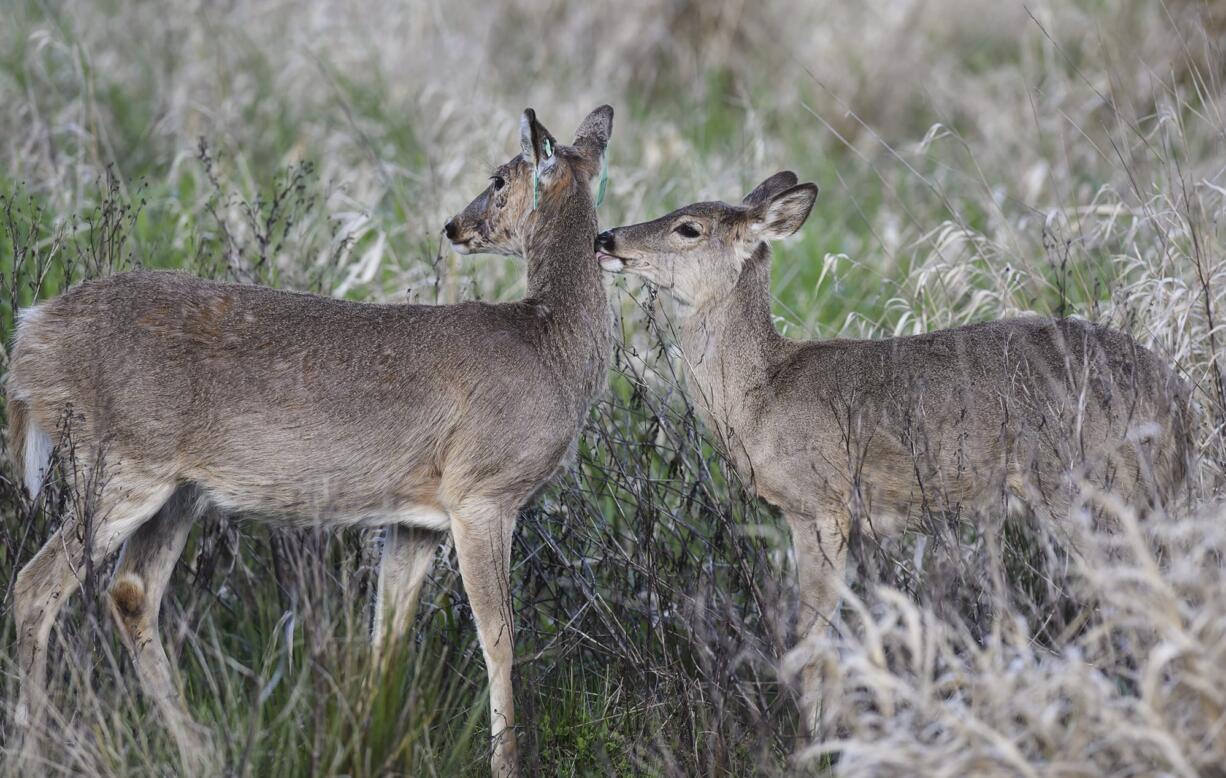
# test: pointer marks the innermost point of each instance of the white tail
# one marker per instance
(36, 457)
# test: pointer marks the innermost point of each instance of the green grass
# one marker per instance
(958, 147)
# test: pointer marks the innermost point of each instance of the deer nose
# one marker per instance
(604, 241)
(449, 229)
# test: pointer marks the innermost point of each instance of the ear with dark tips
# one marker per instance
(532, 137)
(784, 179)
(784, 213)
(596, 129)
(592, 137)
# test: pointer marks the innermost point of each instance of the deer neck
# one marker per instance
(562, 269)
(565, 278)
(731, 344)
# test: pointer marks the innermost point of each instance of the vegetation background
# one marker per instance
(977, 158)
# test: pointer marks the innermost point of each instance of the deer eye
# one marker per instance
(687, 230)
(499, 182)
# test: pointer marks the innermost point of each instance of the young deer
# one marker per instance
(310, 410)
(845, 433)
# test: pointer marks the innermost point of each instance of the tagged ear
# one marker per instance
(782, 214)
(784, 179)
(537, 143)
(594, 132)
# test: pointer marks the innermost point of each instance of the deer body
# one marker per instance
(307, 410)
(946, 418)
(867, 434)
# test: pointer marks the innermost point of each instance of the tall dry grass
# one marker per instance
(977, 159)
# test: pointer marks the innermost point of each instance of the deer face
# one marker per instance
(501, 217)
(697, 252)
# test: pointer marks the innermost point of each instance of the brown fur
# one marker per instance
(310, 410)
(18, 414)
(226, 403)
(846, 433)
(128, 597)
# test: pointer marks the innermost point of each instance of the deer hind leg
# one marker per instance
(143, 574)
(53, 575)
(821, 563)
(408, 555)
(482, 533)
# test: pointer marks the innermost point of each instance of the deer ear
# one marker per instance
(772, 186)
(594, 132)
(782, 214)
(537, 143)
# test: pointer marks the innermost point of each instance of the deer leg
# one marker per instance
(408, 555)
(482, 533)
(821, 562)
(145, 567)
(53, 575)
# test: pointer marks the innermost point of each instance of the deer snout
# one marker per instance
(604, 252)
(452, 231)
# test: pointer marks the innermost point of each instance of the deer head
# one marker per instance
(545, 171)
(697, 252)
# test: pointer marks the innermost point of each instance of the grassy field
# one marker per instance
(977, 159)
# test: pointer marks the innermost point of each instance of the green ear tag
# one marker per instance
(604, 178)
(536, 194)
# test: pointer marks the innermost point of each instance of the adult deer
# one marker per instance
(310, 410)
(870, 433)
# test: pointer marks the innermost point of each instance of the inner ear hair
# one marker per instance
(785, 212)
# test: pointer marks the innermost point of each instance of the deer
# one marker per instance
(848, 435)
(428, 420)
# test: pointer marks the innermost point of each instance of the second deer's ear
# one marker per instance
(537, 143)
(772, 186)
(782, 214)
